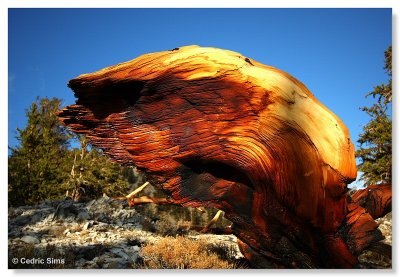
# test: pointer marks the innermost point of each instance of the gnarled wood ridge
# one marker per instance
(214, 128)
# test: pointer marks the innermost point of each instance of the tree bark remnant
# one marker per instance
(376, 199)
(214, 128)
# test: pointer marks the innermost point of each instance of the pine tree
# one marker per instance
(36, 168)
(44, 167)
(375, 151)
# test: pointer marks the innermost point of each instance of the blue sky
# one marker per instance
(336, 53)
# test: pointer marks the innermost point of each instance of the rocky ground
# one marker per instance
(103, 233)
(106, 233)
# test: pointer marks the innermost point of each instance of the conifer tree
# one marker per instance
(36, 167)
(375, 150)
(44, 166)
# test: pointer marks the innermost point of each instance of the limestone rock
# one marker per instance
(30, 239)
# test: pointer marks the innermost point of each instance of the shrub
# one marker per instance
(182, 253)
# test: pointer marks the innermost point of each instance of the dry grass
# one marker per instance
(182, 253)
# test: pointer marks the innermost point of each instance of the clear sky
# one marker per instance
(337, 53)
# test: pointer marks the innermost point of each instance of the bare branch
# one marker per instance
(136, 191)
(212, 222)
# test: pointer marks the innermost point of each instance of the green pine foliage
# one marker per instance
(375, 150)
(36, 168)
(43, 166)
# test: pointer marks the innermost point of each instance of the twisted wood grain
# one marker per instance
(212, 127)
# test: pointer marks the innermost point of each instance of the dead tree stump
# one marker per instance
(214, 128)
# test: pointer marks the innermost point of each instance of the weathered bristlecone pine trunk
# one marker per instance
(214, 128)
